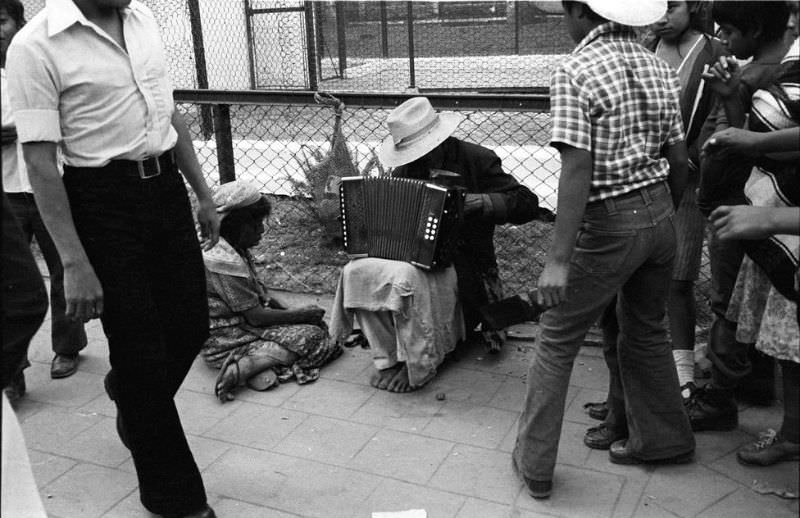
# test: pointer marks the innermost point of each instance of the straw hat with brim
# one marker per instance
(415, 129)
(629, 12)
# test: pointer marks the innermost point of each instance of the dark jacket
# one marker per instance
(506, 201)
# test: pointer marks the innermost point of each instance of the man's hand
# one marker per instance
(83, 292)
(731, 141)
(208, 219)
(724, 76)
(552, 285)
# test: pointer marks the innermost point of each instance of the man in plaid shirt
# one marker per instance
(617, 125)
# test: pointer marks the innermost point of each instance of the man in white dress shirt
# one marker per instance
(90, 76)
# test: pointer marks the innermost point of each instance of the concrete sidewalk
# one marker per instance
(339, 448)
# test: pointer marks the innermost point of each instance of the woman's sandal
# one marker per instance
(226, 394)
(356, 339)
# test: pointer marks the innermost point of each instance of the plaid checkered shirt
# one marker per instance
(617, 100)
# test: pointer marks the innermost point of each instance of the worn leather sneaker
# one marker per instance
(712, 409)
(619, 453)
(769, 449)
(597, 411)
(601, 437)
(538, 489)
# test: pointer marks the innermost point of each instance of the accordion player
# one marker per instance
(401, 219)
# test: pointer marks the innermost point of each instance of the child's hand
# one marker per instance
(724, 76)
(731, 141)
(741, 222)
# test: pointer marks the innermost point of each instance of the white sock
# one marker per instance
(684, 363)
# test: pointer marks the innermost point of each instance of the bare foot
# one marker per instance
(227, 381)
(400, 382)
(381, 378)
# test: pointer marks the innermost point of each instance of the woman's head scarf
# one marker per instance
(235, 195)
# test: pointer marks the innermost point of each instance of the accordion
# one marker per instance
(401, 219)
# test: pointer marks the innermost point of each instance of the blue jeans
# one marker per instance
(626, 246)
(140, 238)
(67, 337)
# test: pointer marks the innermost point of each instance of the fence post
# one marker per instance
(384, 30)
(311, 44)
(222, 128)
(410, 22)
(341, 37)
(206, 124)
(516, 27)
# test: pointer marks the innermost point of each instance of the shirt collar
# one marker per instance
(62, 14)
(603, 29)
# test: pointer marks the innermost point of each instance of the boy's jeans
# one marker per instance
(626, 245)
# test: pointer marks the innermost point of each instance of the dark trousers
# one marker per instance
(729, 358)
(141, 241)
(67, 337)
(609, 324)
(24, 303)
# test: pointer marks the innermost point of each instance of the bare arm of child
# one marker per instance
(752, 143)
(748, 222)
(265, 316)
(573, 191)
(678, 157)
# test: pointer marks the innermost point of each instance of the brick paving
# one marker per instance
(339, 448)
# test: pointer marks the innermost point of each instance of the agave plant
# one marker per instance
(319, 194)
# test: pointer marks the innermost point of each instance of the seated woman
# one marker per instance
(254, 339)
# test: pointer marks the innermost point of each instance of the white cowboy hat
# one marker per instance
(414, 130)
(629, 12)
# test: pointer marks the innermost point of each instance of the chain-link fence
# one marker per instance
(276, 140)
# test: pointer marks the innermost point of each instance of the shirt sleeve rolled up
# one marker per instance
(34, 95)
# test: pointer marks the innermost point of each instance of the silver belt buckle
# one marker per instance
(144, 173)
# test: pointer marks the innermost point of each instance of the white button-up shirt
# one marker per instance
(70, 82)
(15, 176)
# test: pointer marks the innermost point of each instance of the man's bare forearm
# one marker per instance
(52, 202)
(187, 159)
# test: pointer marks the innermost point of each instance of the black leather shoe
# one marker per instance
(538, 489)
(597, 411)
(601, 437)
(618, 453)
(64, 366)
(15, 389)
(712, 409)
(206, 512)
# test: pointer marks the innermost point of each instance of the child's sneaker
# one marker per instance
(769, 449)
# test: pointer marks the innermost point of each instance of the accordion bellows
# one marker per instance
(400, 218)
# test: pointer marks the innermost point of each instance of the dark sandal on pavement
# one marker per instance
(226, 394)
(356, 339)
